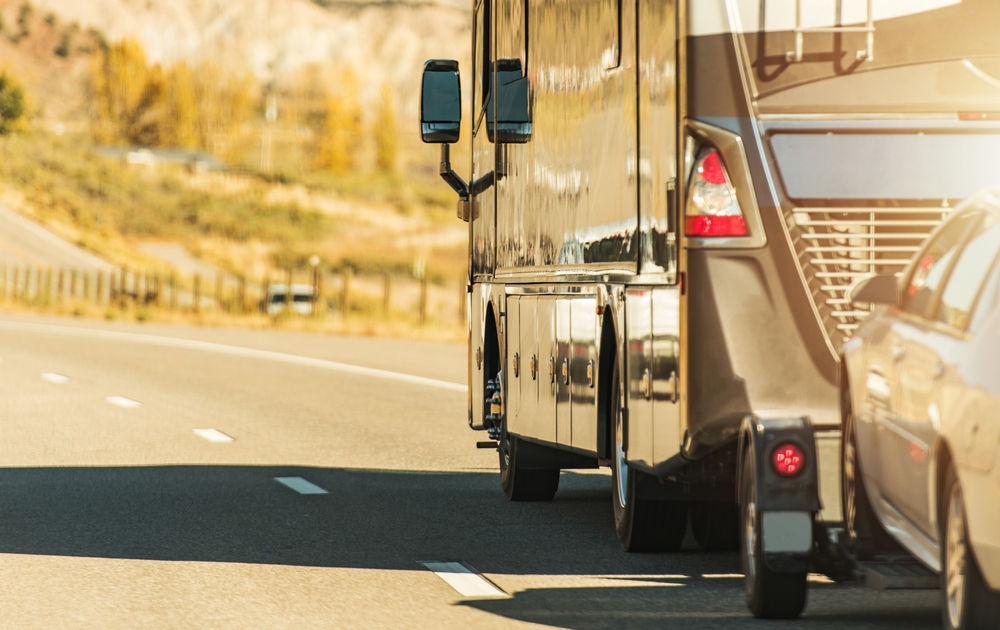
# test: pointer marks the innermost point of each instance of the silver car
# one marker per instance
(921, 411)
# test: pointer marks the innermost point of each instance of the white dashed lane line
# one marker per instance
(52, 377)
(124, 403)
(213, 435)
(464, 580)
(300, 485)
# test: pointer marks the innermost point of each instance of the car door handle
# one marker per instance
(898, 353)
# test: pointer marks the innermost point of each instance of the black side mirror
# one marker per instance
(440, 102)
(878, 289)
(513, 110)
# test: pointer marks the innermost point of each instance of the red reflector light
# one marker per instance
(711, 169)
(788, 460)
(707, 225)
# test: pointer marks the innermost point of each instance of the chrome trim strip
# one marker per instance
(910, 536)
(562, 271)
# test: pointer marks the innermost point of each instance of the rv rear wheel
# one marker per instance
(520, 484)
(641, 524)
(716, 525)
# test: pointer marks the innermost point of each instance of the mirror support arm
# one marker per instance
(452, 178)
(459, 185)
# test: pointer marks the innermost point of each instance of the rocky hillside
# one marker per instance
(382, 40)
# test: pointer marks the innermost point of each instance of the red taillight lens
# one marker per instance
(711, 169)
(712, 209)
(715, 226)
(788, 460)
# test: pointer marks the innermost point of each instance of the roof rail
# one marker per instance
(795, 56)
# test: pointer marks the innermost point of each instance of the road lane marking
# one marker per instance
(239, 352)
(213, 435)
(124, 403)
(300, 485)
(722, 576)
(464, 580)
(52, 377)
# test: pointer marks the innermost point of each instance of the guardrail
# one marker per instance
(344, 295)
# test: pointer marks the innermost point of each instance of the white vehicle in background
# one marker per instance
(276, 300)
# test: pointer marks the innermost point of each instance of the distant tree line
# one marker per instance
(215, 108)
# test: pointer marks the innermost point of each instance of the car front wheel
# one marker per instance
(969, 604)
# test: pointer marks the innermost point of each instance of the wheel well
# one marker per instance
(606, 374)
(844, 391)
(941, 465)
(491, 347)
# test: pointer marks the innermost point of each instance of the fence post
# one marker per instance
(60, 285)
(99, 290)
(197, 293)
(345, 297)
(386, 293)
(122, 287)
(423, 299)
(172, 281)
(288, 290)
(5, 288)
(86, 286)
(218, 291)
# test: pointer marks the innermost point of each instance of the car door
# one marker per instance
(937, 303)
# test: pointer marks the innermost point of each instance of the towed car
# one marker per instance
(921, 406)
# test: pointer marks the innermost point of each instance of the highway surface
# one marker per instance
(24, 242)
(170, 477)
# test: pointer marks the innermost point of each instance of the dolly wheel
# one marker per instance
(770, 594)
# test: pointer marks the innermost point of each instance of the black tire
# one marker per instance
(716, 525)
(770, 594)
(642, 525)
(968, 603)
(866, 537)
(520, 484)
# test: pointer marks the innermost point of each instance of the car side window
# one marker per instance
(966, 277)
(933, 264)
(987, 300)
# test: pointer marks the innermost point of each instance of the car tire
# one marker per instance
(716, 525)
(770, 594)
(969, 603)
(520, 484)
(866, 538)
(642, 525)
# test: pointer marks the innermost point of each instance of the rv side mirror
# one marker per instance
(440, 102)
(878, 289)
(513, 109)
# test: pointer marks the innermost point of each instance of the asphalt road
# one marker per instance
(118, 516)
(23, 242)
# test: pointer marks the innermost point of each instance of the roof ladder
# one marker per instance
(795, 56)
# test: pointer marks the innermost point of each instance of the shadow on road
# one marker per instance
(704, 604)
(391, 520)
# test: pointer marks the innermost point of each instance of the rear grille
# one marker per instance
(835, 246)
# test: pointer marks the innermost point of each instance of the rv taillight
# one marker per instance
(712, 208)
(788, 460)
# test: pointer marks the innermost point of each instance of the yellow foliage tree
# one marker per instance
(226, 103)
(134, 102)
(385, 132)
(125, 93)
(340, 131)
(182, 107)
